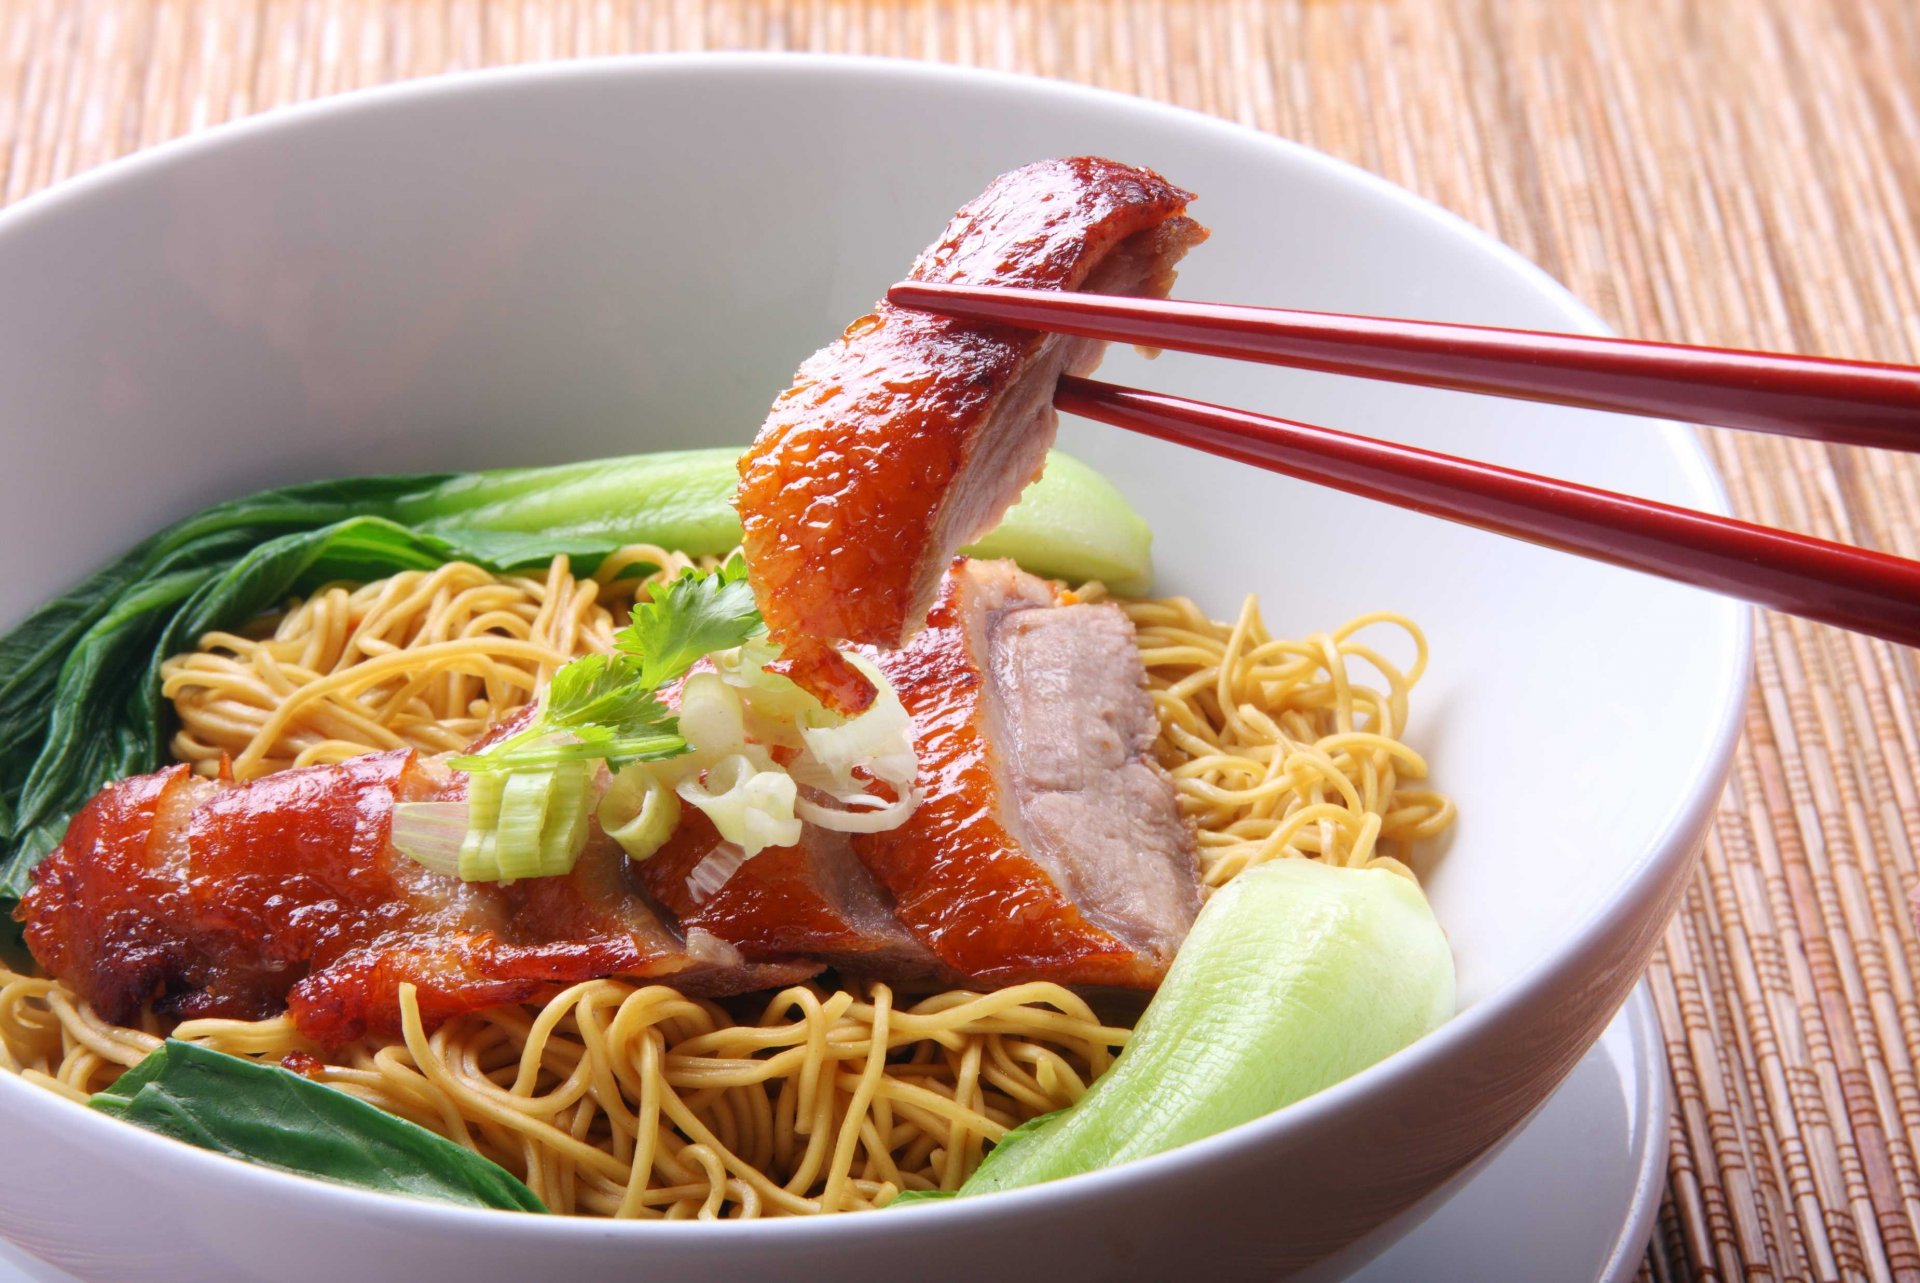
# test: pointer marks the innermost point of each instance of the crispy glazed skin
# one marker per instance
(912, 433)
(974, 872)
(242, 900)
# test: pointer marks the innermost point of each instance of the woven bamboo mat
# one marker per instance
(1735, 173)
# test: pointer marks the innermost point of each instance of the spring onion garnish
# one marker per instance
(876, 741)
(712, 873)
(431, 833)
(538, 822)
(735, 715)
(750, 806)
(751, 750)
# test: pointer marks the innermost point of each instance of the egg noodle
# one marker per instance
(620, 1099)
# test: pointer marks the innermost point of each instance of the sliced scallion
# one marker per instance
(479, 851)
(431, 833)
(639, 811)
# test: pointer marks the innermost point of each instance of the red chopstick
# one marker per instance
(1868, 592)
(1847, 402)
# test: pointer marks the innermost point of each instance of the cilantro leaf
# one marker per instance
(688, 618)
(606, 706)
(593, 689)
(595, 707)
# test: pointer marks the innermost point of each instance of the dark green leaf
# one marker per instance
(83, 735)
(13, 942)
(268, 1115)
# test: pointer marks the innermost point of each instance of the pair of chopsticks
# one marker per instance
(1845, 402)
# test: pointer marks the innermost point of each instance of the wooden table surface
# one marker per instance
(1743, 173)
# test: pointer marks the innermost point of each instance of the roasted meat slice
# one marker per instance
(814, 898)
(241, 900)
(911, 434)
(1048, 844)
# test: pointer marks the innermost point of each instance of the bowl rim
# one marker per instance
(1627, 898)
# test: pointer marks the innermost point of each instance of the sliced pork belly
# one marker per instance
(911, 434)
(286, 893)
(1048, 845)
(814, 898)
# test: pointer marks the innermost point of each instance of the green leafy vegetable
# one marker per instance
(268, 1115)
(84, 707)
(1295, 976)
(680, 499)
(80, 700)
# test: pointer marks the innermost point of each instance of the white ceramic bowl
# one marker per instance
(563, 262)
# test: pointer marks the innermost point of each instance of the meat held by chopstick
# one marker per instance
(911, 434)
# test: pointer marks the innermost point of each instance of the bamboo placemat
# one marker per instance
(1743, 173)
